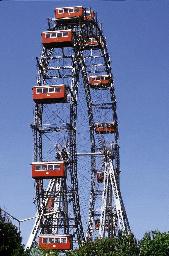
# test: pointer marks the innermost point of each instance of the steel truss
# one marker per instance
(55, 138)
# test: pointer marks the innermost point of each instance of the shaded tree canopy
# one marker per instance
(40, 252)
(154, 243)
(123, 245)
(10, 239)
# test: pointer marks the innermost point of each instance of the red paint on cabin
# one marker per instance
(99, 81)
(74, 12)
(48, 170)
(49, 94)
(55, 242)
(100, 177)
(57, 38)
(69, 12)
(103, 128)
(50, 204)
(97, 224)
(89, 15)
(91, 42)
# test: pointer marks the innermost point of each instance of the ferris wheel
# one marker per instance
(76, 163)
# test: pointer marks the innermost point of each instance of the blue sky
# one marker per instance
(137, 38)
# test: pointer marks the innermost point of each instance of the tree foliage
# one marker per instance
(155, 243)
(39, 252)
(10, 239)
(123, 245)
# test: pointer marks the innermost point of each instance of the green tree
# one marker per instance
(39, 252)
(123, 245)
(155, 243)
(10, 239)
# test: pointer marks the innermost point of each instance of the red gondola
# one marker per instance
(89, 15)
(49, 94)
(55, 242)
(103, 128)
(97, 224)
(48, 170)
(102, 81)
(58, 38)
(74, 12)
(100, 177)
(91, 43)
(50, 204)
(68, 13)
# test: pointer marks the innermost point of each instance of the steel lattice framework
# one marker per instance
(55, 132)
